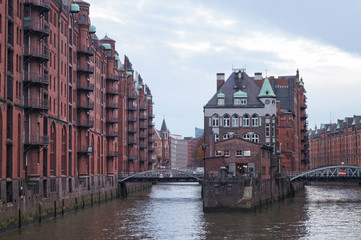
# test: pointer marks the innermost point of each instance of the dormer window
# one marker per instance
(240, 98)
(220, 99)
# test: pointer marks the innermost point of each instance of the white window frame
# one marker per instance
(215, 121)
(255, 138)
(267, 130)
(226, 121)
(218, 153)
(226, 136)
(246, 137)
(226, 153)
(237, 101)
(246, 121)
(220, 102)
(235, 121)
(254, 120)
(216, 137)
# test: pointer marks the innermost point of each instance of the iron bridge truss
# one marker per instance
(331, 173)
(163, 175)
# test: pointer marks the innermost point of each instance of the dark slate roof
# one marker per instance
(164, 126)
(232, 85)
(285, 95)
(106, 38)
(128, 63)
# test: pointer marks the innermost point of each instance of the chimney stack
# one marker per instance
(220, 80)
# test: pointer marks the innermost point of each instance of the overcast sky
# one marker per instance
(179, 46)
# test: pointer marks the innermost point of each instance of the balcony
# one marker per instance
(131, 141)
(38, 27)
(85, 68)
(132, 158)
(143, 108)
(112, 154)
(142, 117)
(132, 97)
(112, 134)
(132, 119)
(36, 78)
(85, 123)
(85, 86)
(151, 116)
(131, 109)
(43, 5)
(143, 136)
(85, 149)
(112, 77)
(112, 91)
(304, 117)
(151, 149)
(303, 107)
(34, 103)
(36, 140)
(143, 126)
(142, 146)
(132, 130)
(112, 105)
(112, 120)
(85, 50)
(150, 133)
(87, 105)
(39, 53)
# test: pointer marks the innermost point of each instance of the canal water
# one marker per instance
(174, 211)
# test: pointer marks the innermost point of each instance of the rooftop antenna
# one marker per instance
(266, 73)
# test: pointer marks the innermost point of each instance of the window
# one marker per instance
(254, 120)
(255, 138)
(226, 121)
(83, 19)
(246, 120)
(267, 130)
(220, 101)
(247, 153)
(226, 153)
(246, 137)
(239, 153)
(215, 121)
(226, 136)
(216, 137)
(218, 153)
(235, 122)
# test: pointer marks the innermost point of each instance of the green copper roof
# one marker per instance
(316, 132)
(240, 94)
(354, 122)
(134, 80)
(120, 65)
(221, 95)
(328, 129)
(129, 74)
(139, 87)
(152, 103)
(322, 126)
(266, 90)
(145, 93)
(338, 126)
(148, 98)
(107, 46)
(301, 83)
(74, 8)
(92, 29)
(116, 58)
(344, 121)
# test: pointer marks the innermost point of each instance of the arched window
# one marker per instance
(235, 120)
(246, 137)
(52, 150)
(246, 120)
(215, 121)
(254, 120)
(216, 137)
(63, 151)
(255, 138)
(226, 136)
(226, 121)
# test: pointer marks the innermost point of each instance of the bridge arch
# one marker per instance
(164, 175)
(335, 172)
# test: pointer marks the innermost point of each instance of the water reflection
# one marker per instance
(174, 211)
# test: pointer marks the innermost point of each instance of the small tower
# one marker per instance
(165, 145)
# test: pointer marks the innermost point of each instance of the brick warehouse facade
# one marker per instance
(269, 111)
(72, 116)
(336, 143)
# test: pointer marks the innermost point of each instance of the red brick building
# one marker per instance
(240, 157)
(72, 116)
(336, 143)
(269, 111)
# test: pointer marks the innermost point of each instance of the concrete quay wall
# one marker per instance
(246, 194)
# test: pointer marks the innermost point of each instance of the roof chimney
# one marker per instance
(258, 76)
(220, 80)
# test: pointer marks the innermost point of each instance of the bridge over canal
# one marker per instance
(335, 173)
(163, 175)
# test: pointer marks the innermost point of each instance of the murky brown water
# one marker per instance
(174, 211)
